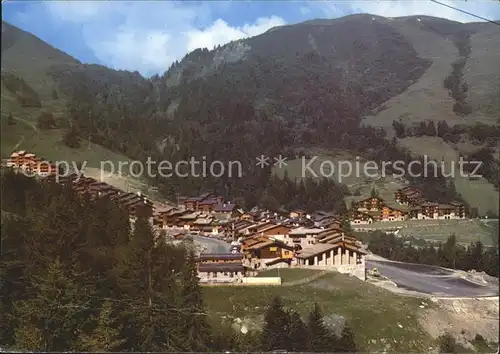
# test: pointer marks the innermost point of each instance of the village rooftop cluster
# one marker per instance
(259, 239)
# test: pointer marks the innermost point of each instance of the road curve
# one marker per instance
(213, 245)
(431, 280)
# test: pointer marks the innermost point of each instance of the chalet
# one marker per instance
(369, 204)
(241, 228)
(45, 169)
(227, 209)
(298, 213)
(159, 211)
(186, 220)
(246, 216)
(428, 210)
(171, 218)
(275, 230)
(226, 267)
(205, 224)
(459, 209)
(360, 218)
(221, 273)
(302, 237)
(265, 252)
(409, 196)
(207, 205)
(344, 254)
(446, 212)
(327, 222)
(393, 214)
(203, 202)
(257, 228)
(31, 164)
(329, 235)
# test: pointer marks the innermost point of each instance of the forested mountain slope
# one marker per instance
(297, 86)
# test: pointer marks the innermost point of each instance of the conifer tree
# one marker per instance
(105, 336)
(49, 321)
(197, 330)
(276, 327)
(346, 343)
(320, 338)
(298, 333)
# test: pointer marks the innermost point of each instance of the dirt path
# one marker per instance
(34, 127)
(23, 138)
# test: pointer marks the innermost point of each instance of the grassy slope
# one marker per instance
(29, 57)
(482, 72)
(427, 99)
(478, 193)
(374, 313)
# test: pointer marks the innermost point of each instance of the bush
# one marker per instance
(71, 138)
(46, 121)
(447, 343)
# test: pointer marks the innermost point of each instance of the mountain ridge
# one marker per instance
(295, 86)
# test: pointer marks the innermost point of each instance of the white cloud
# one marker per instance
(76, 11)
(220, 32)
(149, 36)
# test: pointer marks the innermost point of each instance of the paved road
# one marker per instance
(430, 279)
(213, 245)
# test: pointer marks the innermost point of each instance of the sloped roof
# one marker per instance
(314, 250)
(305, 231)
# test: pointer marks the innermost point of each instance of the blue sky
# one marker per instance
(148, 36)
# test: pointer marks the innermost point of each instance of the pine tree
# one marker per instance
(49, 321)
(298, 334)
(346, 343)
(276, 327)
(10, 120)
(196, 327)
(14, 272)
(320, 338)
(105, 336)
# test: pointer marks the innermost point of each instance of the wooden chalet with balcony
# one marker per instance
(410, 196)
(369, 204)
(393, 214)
(360, 218)
(263, 252)
(438, 211)
(31, 165)
(204, 202)
(226, 267)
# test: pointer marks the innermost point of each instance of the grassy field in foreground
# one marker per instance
(380, 319)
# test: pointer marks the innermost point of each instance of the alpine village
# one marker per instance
(270, 260)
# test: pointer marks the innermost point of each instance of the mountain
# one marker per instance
(333, 84)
